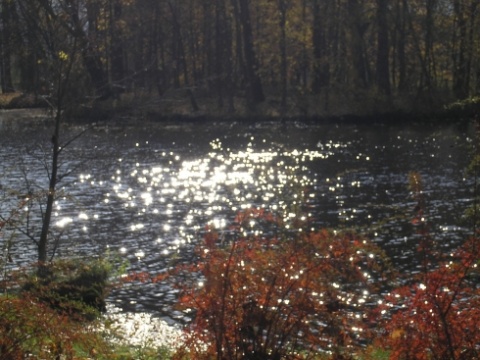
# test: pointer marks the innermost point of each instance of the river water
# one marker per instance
(144, 193)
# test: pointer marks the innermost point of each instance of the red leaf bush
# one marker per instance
(255, 296)
(435, 313)
(436, 316)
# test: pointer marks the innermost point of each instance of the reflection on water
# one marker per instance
(147, 194)
(186, 195)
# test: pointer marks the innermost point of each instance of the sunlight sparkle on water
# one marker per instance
(83, 216)
(181, 195)
(63, 222)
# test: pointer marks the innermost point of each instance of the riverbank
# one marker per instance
(17, 119)
(132, 109)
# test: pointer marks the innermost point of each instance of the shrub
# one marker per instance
(257, 296)
(31, 329)
(435, 314)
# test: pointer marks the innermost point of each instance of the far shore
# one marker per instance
(105, 114)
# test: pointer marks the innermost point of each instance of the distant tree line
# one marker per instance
(280, 50)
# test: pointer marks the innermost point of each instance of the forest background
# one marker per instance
(221, 57)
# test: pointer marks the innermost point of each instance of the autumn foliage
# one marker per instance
(259, 295)
(32, 330)
(261, 291)
(435, 314)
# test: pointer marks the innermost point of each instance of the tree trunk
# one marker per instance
(304, 63)
(418, 48)
(460, 72)
(429, 31)
(255, 89)
(6, 42)
(223, 55)
(282, 6)
(382, 69)
(208, 60)
(400, 48)
(116, 51)
(466, 43)
(321, 66)
(178, 52)
(91, 57)
(47, 216)
(356, 30)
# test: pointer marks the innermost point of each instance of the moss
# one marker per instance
(73, 286)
